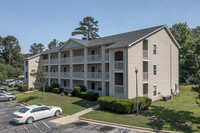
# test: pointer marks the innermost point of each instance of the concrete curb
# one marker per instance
(126, 126)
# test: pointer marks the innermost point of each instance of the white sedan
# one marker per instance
(32, 113)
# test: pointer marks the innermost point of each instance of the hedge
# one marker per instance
(76, 92)
(67, 91)
(122, 105)
(83, 88)
(47, 88)
(56, 90)
(55, 85)
(23, 88)
(89, 96)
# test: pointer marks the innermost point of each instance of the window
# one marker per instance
(36, 110)
(65, 69)
(99, 87)
(119, 56)
(92, 52)
(23, 110)
(154, 90)
(99, 51)
(26, 63)
(44, 108)
(64, 55)
(118, 78)
(154, 70)
(93, 86)
(26, 74)
(154, 49)
(99, 69)
(65, 83)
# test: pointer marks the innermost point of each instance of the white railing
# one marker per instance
(65, 74)
(119, 65)
(79, 75)
(78, 59)
(54, 61)
(107, 56)
(94, 58)
(145, 54)
(119, 89)
(44, 61)
(145, 76)
(107, 75)
(65, 60)
(54, 74)
(94, 75)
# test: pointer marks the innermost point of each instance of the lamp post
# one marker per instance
(136, 71)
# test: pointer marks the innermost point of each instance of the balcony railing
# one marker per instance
(65, 60)
(145, 54)
(54, 74)
(145, 76)
(119, 65)
(94, 75)
(107, 75)
(78, 59)
(54, 61)
(94, 58)
(44, 61)
(107, 56)
(79, 75)
(119, 89)
(65, 74)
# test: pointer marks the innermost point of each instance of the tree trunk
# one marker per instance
(43, 92)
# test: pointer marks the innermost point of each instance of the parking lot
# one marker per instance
(44, 126)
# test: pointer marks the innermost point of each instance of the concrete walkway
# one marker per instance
(75, 117)
(25, 93)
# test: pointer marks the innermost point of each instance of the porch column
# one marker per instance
(49, 69)
(85, 67)
(103, 70)
(59, 60)
(71, 69)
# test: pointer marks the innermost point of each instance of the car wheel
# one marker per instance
(57, 113)
(10, 99)
(30, 120)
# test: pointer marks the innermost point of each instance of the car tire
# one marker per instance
(57, 113)
(10, 99)
(30, 120)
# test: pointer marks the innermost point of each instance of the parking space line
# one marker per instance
(93, 127)
(122, 131)
(25, 128)
(37, 128)
(46, 124)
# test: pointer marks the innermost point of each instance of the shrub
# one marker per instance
(83, 88)
(122, 105)
(56, 90)
(67, 91)
(61, 90)
(55, 85)
(47, 89)
(89, 96)
(77, 90)
(23, 88)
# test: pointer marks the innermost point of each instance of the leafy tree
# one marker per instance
(182, 32)
(61, 43)
(10, 49)
(88, 28)
(41, 79)
(53, 44)
(36, 48)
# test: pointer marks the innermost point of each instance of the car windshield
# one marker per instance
(23, 110)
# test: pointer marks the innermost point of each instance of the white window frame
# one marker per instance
(154, 44)
(155, 89)
(155, 69)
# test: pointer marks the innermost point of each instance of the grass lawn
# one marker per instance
(12, 90)
(182, 107)
(69, 105)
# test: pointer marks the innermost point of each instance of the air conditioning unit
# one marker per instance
(166, 98)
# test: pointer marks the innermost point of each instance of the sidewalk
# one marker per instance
(75, 117)
(25, 93)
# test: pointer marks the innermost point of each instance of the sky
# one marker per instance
(40, 21)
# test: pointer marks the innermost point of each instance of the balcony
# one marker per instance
(78, 75)
(119, 65)
(145, 76)
(94, 75)
(53, 74)
(94, 58)
(44, 61)
(78, 59)
(107, 56)
(107, 75)
(119, 89)
(54, 61)
(65, 60)
(145, 54)
(65, 74)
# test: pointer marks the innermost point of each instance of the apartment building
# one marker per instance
(107, 65)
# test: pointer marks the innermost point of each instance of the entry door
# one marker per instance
(93, 86)
(92, 52)
(92, 68)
